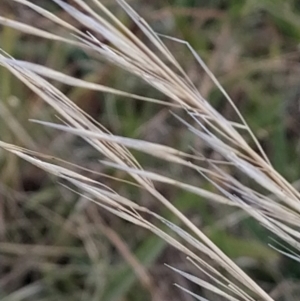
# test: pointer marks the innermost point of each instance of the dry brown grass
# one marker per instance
(109, 38)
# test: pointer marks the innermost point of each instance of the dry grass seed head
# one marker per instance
(128, 52)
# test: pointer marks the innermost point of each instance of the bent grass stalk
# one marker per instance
(280, 213)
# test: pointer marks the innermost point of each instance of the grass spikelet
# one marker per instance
(276, 205)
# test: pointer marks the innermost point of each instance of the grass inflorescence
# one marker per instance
(222, 161)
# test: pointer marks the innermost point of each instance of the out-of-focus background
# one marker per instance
(55, 245)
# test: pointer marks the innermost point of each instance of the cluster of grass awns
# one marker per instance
(162, 157)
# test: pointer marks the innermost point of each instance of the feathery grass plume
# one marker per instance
(159, 68)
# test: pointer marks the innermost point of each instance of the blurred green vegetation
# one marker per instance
(55, 246)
